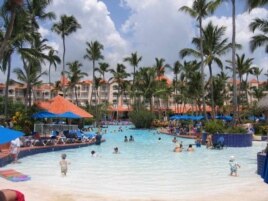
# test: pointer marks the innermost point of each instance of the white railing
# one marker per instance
(45, 129)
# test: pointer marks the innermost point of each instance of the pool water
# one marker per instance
(146, 168)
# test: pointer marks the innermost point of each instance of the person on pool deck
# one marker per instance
(64, 165)
(131, 139)
(190, 148)
(11, 195)
(125, 140)
(15, 149)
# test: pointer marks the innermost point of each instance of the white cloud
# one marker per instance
(96, 24)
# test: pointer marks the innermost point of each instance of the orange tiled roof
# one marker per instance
(163, 77)
(253, 81)
(120, 108)
(188, 108)
(60, 105)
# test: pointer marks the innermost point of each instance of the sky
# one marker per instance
(153, 28)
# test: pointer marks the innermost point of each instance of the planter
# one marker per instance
(232, 139)
(260, 163)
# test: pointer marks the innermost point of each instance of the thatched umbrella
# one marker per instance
(263, 105)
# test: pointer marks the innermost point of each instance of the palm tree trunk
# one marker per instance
(8, 33)
(75, 92)
(202, 69)
(212, 91)
(235, 106)
(63, 67)
(6, 87)
(49, 79)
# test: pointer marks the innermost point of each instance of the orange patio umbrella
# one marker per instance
(59, 105)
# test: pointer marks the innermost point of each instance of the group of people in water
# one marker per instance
(179, 146)
(131, 139)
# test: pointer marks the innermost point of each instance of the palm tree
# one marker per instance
(30, 74)
(13, 7)
(258, 93)
(93, 53)
(176, 69)
(262, 38)
(119, 76)
(244, 67)
(134, 61)
(214, 47)
(255, 3)
(53, 60)
(199, 10)
(75, 75)
(103, 68)
(257, 72)
(66, 26)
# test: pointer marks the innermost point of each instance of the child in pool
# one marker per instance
(233, 166)
(64, 165)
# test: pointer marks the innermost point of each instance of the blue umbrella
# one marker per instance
(7, 135)
(44, 114)
(69, 115)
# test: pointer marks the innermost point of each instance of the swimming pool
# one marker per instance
(144, 169)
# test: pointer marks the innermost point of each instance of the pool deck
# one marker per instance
(5, 157)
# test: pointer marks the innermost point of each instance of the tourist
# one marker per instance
(174, 140)
(178, 148)
(116, 150)
(159, 138)
(190, 148)
(64, 164)
(131, 139)
(11, 195)
(14, 149)
(233, 166)
(209, 143)
(93, 153)
(125, 140)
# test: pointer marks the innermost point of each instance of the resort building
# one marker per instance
(84, 94)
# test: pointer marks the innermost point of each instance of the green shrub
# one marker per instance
(214, 126)
(235, 129)
(261, 129)
(142, 118)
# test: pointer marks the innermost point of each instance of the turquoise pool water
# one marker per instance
(146, 168)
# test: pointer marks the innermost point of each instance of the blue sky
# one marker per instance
(153, 28)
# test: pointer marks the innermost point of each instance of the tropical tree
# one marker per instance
(160, 67)
(214, 47)
(257, 72)
(119, 76)
(53, 59)
(176, 69)
(199, 10)
(103, 68)
(75, 75)
(30, 74)
(93, 53)
(258, 93)
(66, 26)
(255, 3)
(260, 39)
(13, 7)
(134, 61)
